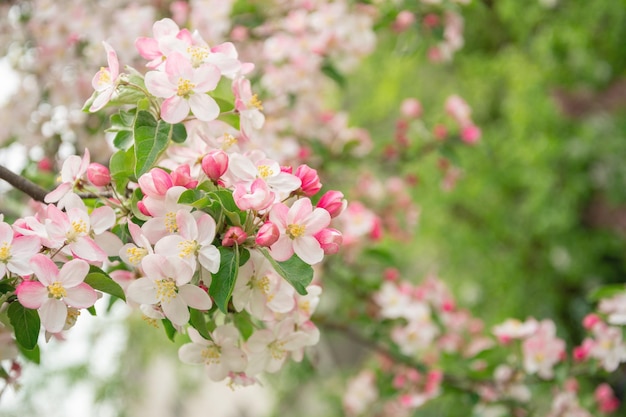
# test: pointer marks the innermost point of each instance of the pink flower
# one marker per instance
(411, 108)
(298, 226)
(155, 49)
(167, 284)
(105, 81)
(256, 196)
(470, 134)
(543, 350)
(72, 173)
(16, 252)
(56, 290)
(155, 183)
(220, 354)
(184, 88)
(604, 396)
(249, 107)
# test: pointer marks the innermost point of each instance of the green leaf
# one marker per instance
(231, 118)
(223, 281)
(123, 139)
(5, 288)
(101, 281)
(33, 355)
(179, 133)
(92, 311)
(195, 198)
(243, 322)
(331, 72)
(297, 272)
(122, 167)
(25, 324)
(198, 322)
(151, 139)
(169, 328)
(244, 255)
(606, 291)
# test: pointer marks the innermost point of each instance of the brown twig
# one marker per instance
(23, 184)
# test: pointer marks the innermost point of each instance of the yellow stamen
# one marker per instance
(229, 140)
(135, 255)
(295, 230)
(5, 252)
(72, 316)
(152, 322)
(166, 290)
(277, 350)
(211, 354)
(170, 222)
(265, 171)
(187, 247)
(255, 102)
(104, 77)
(56, 290)
(197, 54)
(262, 284)
(185, 88)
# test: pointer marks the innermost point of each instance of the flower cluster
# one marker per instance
(434, 346)
(187, 225)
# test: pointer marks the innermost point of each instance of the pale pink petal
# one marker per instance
(187, 226)
(204, 107)
(159, 85)
(209, 257)
(73, 273)
(148, 48)
(85, 248)
(153, 266)
(102, 218)
(104, 96)
(114, 64)
(6, 233)
(176, 310)
(179, 66)
(315, 222)
(282, 249)
(278, 216)
(56, 194)
(196, 337)
(71, 169)
(206, 229)
(191, 353)
(195, 297)
(53, 314)
(175, 109)
(31, 294)
(45, 270)
(206, 78)
(80, 296)
(165, 27)
(308, 249)
(109, 242)
(235, 358)
(299, 211)
(169, 245)
(142, 291)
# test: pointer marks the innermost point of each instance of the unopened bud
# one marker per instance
(215, 164)
(234, 235)
(333, 202)
(267, 235)
(98, 174)
(310, 180)
(330, 240)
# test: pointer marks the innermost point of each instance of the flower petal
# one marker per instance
(31, 294)
(73, 273)
(204, 107)
(80, 296)
(45, 270)
(176, 310)
(53, 314)
(195, 297)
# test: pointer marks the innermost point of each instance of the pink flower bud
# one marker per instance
(143, 209)
(591, 320)
(333, 202)
(310, 180)
(330, 240)
(267, 235)
(403, 21)
(98, 174)
(391, 274)
(234, 235)
(440, 132)
(411, 108)
(239, 33)
(286, 169)
(45, 164)
(215, 164)
(155, 183)
(470, 134)
(182, 176)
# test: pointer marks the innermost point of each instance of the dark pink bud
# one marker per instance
(98, 174)
(330, 240)
(182, 176)
(155, 183)
(286, 169)
(310, 180)
(267, 235)
(234, 235)
(45, 164)
(333, 202)
(143, 209)
(591, 320)
(215, 164)
(470, 134)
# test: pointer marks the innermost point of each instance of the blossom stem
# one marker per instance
(23, 184)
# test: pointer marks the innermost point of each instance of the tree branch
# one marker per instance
(24, 185)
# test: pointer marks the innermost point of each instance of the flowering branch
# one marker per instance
(23, 184)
